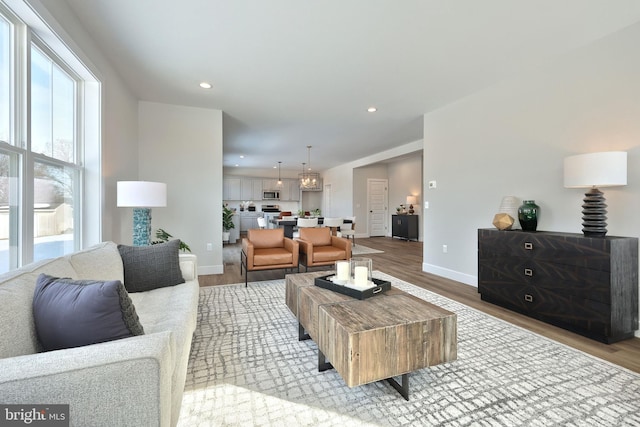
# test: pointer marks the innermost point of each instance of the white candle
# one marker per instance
(361, 275)
(343, 270)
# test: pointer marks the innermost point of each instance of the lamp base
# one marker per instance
(411, 211)
(594, 214)
(141, 227)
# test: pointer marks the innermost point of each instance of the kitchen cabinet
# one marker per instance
(251, 189)
(588, 285)
(270, 184)
(231, 189)
(249, 220)
(404, 226)
(290, 190)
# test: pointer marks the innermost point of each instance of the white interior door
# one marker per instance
(377, 199)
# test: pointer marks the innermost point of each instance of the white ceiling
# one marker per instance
(292, 73)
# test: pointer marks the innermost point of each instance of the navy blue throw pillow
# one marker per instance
(73, 313)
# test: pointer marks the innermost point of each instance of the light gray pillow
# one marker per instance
(73, 313)
(151, 267)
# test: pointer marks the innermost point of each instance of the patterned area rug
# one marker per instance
(362, 250)
(247, 368)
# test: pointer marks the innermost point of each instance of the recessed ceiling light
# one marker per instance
(372, 109)
(242, 156)
(237, 165)
(205, 85)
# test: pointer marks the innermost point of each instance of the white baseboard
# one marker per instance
(210, 269)
(450, 274)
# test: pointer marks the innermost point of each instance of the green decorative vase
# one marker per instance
(528, 215)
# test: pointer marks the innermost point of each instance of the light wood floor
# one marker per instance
(403, 260)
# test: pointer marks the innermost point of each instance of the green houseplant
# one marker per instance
(227, 223)
(163, 236)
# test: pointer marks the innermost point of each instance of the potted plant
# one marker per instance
(163, 237)
(227, 223)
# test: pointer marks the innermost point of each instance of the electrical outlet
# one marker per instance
(444, 249)
(209, 246)
(426, 205)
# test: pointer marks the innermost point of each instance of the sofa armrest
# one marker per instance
(342, 243)
(294, 247)
(306, 247)
(247, 248)
(125, 382)
(189, 266)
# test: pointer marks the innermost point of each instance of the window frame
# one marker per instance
(23, 38)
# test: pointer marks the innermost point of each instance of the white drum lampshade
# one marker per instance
(142, 196)
(593, 170)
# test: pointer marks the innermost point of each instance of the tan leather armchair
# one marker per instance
(267, 249)
(319, 247)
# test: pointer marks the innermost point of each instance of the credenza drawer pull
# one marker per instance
(528, 298)
(528, 246)
(528, 272)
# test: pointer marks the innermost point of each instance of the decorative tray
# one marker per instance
(378, 287)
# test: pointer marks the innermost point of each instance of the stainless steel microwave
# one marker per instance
(271, 195)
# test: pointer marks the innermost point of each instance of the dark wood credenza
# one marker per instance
(404, 226)
(588, 285)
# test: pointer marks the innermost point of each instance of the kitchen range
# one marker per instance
(270, 212)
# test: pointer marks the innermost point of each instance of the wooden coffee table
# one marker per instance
(378, 338)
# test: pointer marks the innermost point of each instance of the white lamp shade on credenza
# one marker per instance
(593, 170)
(606, 169)
(141, 194)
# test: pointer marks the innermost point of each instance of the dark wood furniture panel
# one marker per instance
(588, 285)
(404, 226)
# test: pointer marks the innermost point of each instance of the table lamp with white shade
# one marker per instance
(411, 200)
(142, 196)
(593, 170)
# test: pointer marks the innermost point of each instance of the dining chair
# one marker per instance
(262, 222)
(304, 223)
(348, 229)
(333, 224)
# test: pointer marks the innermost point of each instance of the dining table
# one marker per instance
(290, 224)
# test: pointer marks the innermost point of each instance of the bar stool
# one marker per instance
(305, 223)
(333, 224)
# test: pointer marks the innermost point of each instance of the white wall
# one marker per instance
(182, 146)
(343, 184)
(512, 139)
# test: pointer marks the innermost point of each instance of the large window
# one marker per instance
(40, 146)
(5, 79)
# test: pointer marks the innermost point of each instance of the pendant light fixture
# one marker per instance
(279, 177)
(309, 180)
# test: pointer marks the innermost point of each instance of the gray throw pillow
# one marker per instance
(151, 267)
(73, 313)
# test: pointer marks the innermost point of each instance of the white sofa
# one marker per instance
(137, 381)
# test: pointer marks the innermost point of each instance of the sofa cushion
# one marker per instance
(151, 267)
(328, 253)
(73, 313)
(272, 256)
(17, 329)
(99, 262)
(266, 238)
(316, 236)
